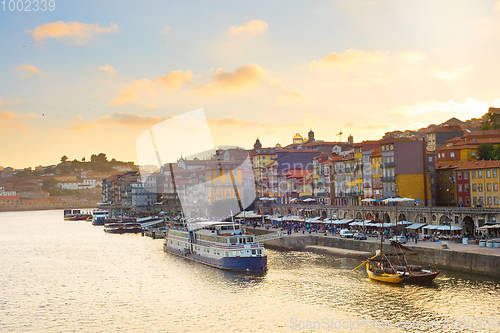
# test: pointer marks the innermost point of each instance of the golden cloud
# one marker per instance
(28, 70)
(497, 7)
(131, 93)
(108, 69)
(448, 75)
(242, 78)
(290, 99)
(119, 120)
(174, 79)
(251, 28)
(369, 126)
(471, 108)
(349, 58)
(75, 31)
(170, 81)
(9, 102)
(9, 119)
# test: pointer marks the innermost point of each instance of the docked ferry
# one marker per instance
(219, 244)
(99, 215)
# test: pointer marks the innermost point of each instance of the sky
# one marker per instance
(91, 76)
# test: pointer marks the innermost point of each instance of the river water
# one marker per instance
(62, 276)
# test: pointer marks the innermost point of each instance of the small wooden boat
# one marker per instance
(376, 271)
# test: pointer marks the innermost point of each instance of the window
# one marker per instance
(430, 158)
(474, 187)
(480, 187)
(473, 174)
(466, 187)
(495, 201)
(489, 201)
(459, 187)
(452, 154)
(473, 154)
(235, 172)
(227, 173)
(466, 174)
(488, 173)
(495, 187)
(218, 181)
(480, 174)
(227, 181)
(467, 201)
(474, 201)
(495, 173)
(459, 175)
(488, 187)
(460, 201)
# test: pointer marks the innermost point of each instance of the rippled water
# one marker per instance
(62, 276)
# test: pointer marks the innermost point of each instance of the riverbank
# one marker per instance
(85, 205)
(458, 257)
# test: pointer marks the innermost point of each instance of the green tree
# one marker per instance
(484, 151)
(49, 184)
(492, 123)
(495, 154)
(64, 159)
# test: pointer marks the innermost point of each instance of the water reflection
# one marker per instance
(71, 276)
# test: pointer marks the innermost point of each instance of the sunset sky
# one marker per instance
(91, 76)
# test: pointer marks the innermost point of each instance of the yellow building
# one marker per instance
(484, 183)
(221, 180)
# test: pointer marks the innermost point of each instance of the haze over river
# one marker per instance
(64, 276)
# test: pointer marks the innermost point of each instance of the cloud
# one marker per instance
(108, 69)
(448, 75)
(174, 79)
(348, 59)
(290, 99)
(497, 7)
(9, 102)
(413, 56)
(166, 30)
(169, 81)
(11, 120)
(251, 28)
(119, 120)
(471, 108)
(242, 78)
(76, 32)
(131, 93)
(28, 70)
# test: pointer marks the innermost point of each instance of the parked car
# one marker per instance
(346, 233)
(360, 236)
(399, 239)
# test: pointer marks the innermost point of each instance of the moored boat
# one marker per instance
(99, 215)
(380, 269)
(222, 245)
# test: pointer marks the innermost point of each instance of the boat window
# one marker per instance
(234, 254)
(241, 253)
(250, 239)
(254, 251)
(227, 254)
(233, 240)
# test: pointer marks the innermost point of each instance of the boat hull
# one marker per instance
(420, 277)
(238, 264)
(387, 278)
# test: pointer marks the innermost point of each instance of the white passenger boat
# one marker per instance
(223, 245)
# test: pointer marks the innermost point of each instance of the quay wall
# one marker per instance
(467, 262)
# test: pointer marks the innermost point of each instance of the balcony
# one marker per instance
(388, 179)
(387, 165)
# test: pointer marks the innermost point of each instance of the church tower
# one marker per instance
(310, 136)
(257, 146)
